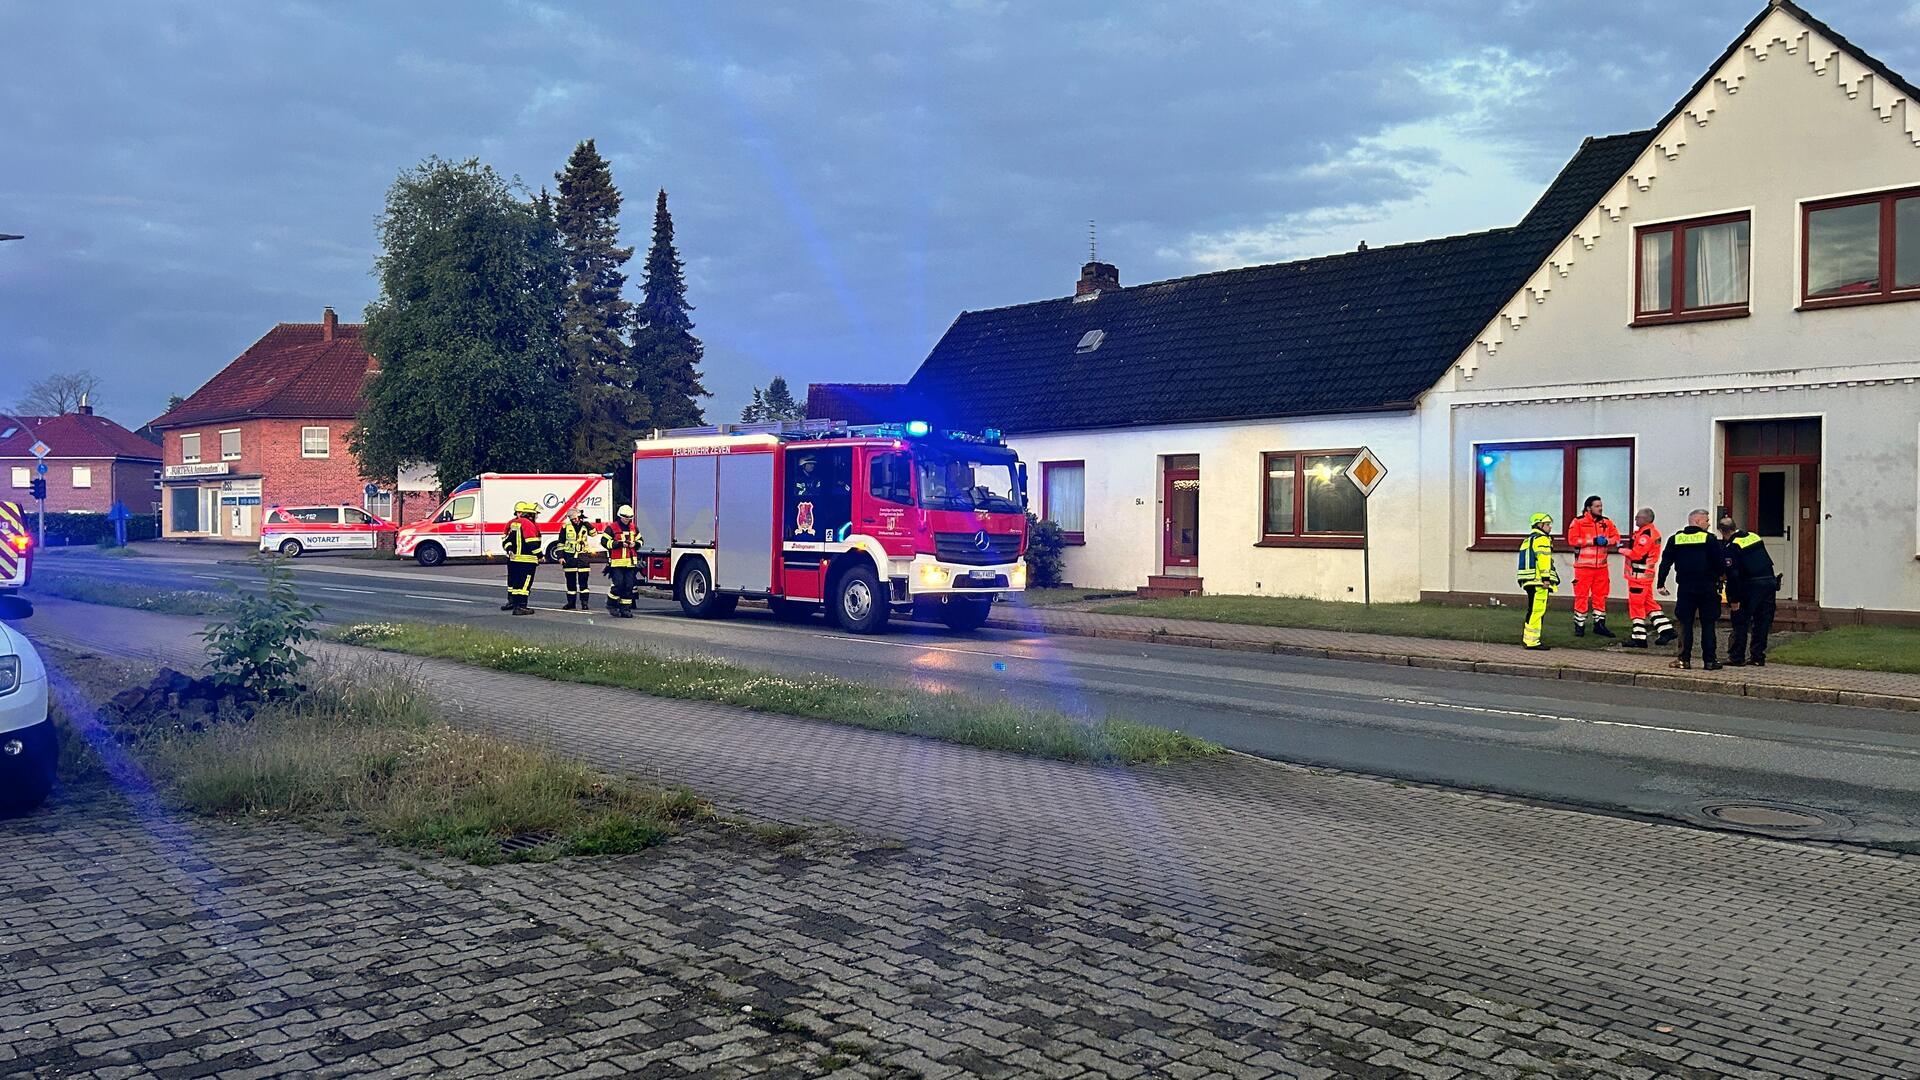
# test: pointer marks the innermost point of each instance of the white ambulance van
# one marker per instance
(472, 523)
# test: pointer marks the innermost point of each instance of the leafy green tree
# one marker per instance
(609, 409)
(666, 355)
(773, 403)
(467, 329)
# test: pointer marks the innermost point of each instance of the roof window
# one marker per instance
(1090, 341)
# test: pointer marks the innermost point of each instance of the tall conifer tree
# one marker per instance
(610, 408)
(666, 355)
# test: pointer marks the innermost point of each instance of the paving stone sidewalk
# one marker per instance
(1229, 918)
(1819, 686)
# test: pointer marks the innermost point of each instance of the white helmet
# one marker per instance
(624, 511)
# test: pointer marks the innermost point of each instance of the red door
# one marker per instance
(1180, 505)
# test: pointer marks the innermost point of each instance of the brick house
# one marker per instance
(94, 464)
(269, 430)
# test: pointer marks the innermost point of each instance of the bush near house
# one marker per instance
(72, 530)
(1045, 553)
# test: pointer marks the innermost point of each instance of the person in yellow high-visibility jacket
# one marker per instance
(1538, 577)
(522, 545)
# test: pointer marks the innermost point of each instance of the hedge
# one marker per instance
(68, 530)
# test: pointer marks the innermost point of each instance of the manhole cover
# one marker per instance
(1770, 817)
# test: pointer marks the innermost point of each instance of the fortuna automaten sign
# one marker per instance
(205, 468)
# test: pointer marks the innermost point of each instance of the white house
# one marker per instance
(1706, 313)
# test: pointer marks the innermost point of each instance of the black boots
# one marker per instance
(1600, 628)
(1579, 629)
(570, 606)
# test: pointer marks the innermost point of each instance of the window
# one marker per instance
(316, 442)
(890, 478)
(1063, 498)
(315, 515)
(22, 477)
(189, 449)
(279, 517)
(1692, 269)
(459, 509)
(230, 444)
(1306, 498)
(1514, 481)
(82, 476)
(380, 504)
(185, 517)
(1862, 250)
(355, 516)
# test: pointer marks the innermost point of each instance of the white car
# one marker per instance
(28, 750)
(297, 530)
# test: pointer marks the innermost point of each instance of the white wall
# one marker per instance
(1123, 515)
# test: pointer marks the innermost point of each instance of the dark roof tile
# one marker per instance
(292, 372)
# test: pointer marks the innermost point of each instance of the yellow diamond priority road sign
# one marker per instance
(1366, 471)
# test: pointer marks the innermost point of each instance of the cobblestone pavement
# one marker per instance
(1227, 918)
(1822, 686)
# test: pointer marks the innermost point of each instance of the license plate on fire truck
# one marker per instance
(981, 577)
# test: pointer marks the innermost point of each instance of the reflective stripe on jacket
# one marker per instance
(522, 541)
(1643, 554)
(1581, 537)
(621, 542)
(575, 539)
(1535, 566)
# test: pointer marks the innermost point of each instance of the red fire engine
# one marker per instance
(864, 522)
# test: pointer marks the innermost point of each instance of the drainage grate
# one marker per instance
(1773, 817)
(516, 844)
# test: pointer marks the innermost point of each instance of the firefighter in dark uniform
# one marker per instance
(1752, 588)
(1695, 554)
(622, 541)
(576, 551)
(522, 544)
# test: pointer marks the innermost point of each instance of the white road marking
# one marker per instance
(447, 599)
(338, 588)
(1554, 716)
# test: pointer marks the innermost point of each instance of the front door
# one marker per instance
(1767, 500)
(1181, 512)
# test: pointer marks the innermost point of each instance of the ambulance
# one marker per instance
(472, 523)
(298, 530)
(860, 522)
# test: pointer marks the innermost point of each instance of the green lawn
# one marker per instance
(1863, 648)
(1410, 620)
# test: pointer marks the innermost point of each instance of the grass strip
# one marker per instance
(1857, 648)
(948, 717)
(91, 590)
(1063, 595)
(1438, 621)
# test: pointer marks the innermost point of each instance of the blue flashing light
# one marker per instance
(992, 434)
(917, 428)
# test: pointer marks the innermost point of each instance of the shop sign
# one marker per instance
(205, 468)
(240, 493)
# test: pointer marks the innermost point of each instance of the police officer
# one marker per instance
(1752, 585)
(576, 550)
(622, 541)
(1695, 554)
(522, 544)
(1536, 574)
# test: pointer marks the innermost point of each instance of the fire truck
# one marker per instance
(861, 522)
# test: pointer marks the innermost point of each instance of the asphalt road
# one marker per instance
(1626, 749)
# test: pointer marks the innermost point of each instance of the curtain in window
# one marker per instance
(1518, 485)
(1718, 254)
(1906, 243)
(1656, 271)
(1280, 519)
(1066, 497)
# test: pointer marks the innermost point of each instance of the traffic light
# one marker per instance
(40, 487)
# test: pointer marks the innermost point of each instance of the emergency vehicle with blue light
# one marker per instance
(862, 522)
(298, 530)
(473, 521)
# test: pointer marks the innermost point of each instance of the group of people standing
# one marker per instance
(575, 548)
(1732, 567)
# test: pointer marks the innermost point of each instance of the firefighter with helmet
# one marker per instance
(522, 544)
(622, 542)
(576, 551)
(1536, 574)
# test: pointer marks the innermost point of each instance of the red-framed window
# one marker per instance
(1863, 249)
(1063, 498)
(1306, 499)
(1685, 271)
(1514, 481)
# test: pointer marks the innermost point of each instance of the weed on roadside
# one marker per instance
(90, 590)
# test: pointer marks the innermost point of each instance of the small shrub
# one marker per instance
(1046, 549)
(255, 648)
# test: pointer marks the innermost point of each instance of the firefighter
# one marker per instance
(1752, 585)
(1643, 554)
(1593, 538)
(1538, 577)
(621, 540)
(1696, 556)
(576, 550)
(522, 544)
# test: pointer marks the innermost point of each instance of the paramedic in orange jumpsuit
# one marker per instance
(1643, 557)
(1594, 538)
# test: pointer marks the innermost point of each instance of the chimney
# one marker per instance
(329, 322)
(1096, 277)
(83, 408)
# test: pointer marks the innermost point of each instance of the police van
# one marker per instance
(297, 530)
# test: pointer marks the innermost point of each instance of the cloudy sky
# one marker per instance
(845, 177)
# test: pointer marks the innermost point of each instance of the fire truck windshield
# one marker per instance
(973, 478)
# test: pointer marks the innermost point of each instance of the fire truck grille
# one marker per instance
(977, 549)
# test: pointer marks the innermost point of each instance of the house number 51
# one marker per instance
(1685, 491)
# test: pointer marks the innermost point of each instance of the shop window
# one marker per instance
(185, 510)
(1514, 481)
(1690, 270)
(316, 442)
(1306, 499)
(230, 444)
(190, 449)
(1063, 498)
(1861, 250)
(82, 476)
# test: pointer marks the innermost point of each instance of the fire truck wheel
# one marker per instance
(858, 604)
(290, 547)
(966, 613)
(429, 554)
(695, 592)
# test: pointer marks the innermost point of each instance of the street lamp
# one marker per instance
(11, 236)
